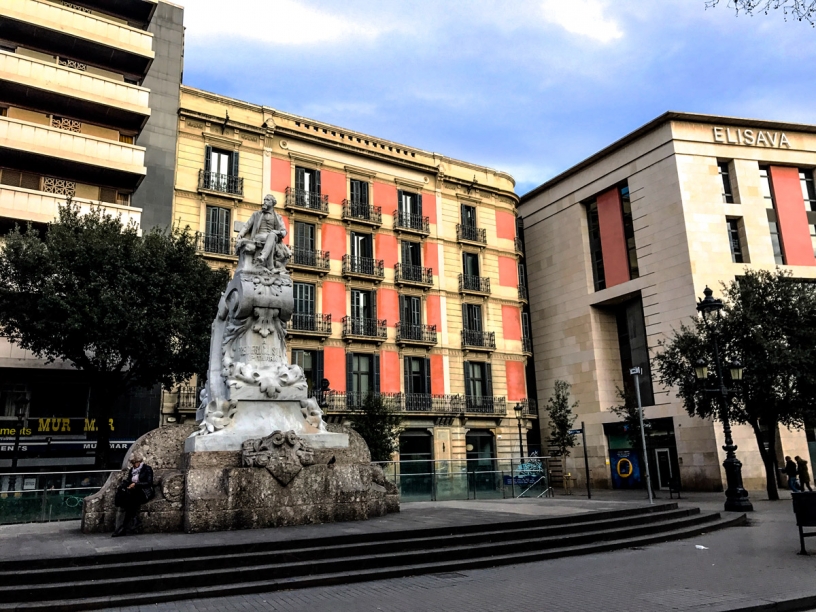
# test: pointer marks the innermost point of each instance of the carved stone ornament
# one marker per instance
(282, 454)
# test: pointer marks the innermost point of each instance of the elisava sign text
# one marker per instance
(752, 138)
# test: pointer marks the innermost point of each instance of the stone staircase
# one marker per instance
(145, 577)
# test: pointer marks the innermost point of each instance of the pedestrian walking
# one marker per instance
(790, 470)
(803, 473)
(134, 491)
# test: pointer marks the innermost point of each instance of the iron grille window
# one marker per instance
(595, 248)
(725, 177)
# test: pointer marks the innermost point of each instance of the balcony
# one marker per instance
(408, 222)
(216, 244)
(363, 267)
(38, 206)
(478, 340)
(310, 260)
(417, 335)
(362, 213)
(522, 293)
(485, 405)
(479, 285)
(81, 36)
(529, 408)
(52, 88)
(519, 245)
(471, 234)
(88, 159)
(307, 201)
(406, 274)
(222, 184)
(364, 329)
(315, 325)
(400, 402)
(134, 11)
(527, 346)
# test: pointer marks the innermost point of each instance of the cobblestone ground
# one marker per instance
(739, 568)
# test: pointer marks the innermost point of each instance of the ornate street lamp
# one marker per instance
(519, 408)
(736, 497)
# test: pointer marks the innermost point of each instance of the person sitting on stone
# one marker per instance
(134, 491)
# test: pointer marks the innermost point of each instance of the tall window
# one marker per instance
(478, 379)
(363, 304)
(220, 169)
(629, 232)
(412, 260)
(359, 192)
(725, 178)
(470, 264)
(304, 299)
(773, 225)
(634, 350)
(361, 245)
(808, 190)
(217, 235)
(304, 236)
(311, 362)
(417, 375)
(595, 249)
(409, 203)
(468, 215)
(307, 180)
(734, 240)
(472, 317)
(362, 376)
(410, 310)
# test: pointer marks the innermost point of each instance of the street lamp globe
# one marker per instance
(709, 304)
(701, 369)
(736, 370)
(519, 410)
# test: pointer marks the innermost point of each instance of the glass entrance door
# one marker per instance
(664, 469)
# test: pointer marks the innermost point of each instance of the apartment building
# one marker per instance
(405, 262)
(619, 250)
(78, 119)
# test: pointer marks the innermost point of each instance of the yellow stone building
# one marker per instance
(405, 262)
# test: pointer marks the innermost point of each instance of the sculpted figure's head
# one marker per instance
(268, 203)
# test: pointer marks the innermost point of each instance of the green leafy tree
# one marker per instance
(561, 417)
(627, 411)
(379, 425)
(799, 10)
(127, 310)
(768, 323)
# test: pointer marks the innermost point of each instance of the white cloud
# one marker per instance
(582, 17)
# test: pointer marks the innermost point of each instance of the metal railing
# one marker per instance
(362, 212)
(519, 244)
(471, 233)
(310, 258)
(307, 200)
(411, 221)
(222, 183)
(529, 407)
(477, 284)
(314, 323)
(478, 339)
(527, 345)
(522, 293)
(407, 273)
(214, 243)
(400, 402)
(367, 266)
(368, 328)
(187, 398)
(416, 333)
(485, 404)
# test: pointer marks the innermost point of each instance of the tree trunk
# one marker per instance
(104, 394)
(768, 456)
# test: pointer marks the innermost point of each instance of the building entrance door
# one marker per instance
(416, 465)
(664, 469)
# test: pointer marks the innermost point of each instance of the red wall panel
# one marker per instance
(511, 322)
(505, 224)
(388, 306)
(390, 374)
(792, 216)
(333, 184)
(334, 300)
(334, 240)
(433, 314)
(437, 375)
(334, 367)
(432, 256)
(385, 195)
(429, 206)
(385, 248)
(613, 241)
(508, 272)
(516, 387)
(281, 175)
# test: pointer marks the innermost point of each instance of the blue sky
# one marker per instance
(529, 87)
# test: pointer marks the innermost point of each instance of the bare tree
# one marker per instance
(800, 10)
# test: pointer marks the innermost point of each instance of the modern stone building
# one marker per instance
(88, 109)
(619, 250)
(405, 262)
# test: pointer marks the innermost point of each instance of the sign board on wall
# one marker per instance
(751, 138)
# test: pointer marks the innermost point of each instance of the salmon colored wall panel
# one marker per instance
(281, 175)
(429, 206)
(505, 225)
(516, 387)
(334, 240)
(433, 314)
(792, 216)
(432, 256)
(386, 196)
(511, 323)
(333, 184)
(334, 300)
(288, 238)
(385, 248)
(390, 375)
(437, 375)
(334, 367)
(613, 241)
(508, 272)
(388, 306)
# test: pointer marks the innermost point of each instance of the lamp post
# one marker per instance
(519, 408)
(736, 497)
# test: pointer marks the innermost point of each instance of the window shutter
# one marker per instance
(349, 374)
(234, 164)
(207, 158)
(374, 313)
(406, 374)
(465, 316)
(376, 373)
(363, 193)
(427, 368)
(419, 204)
(402, 310)
(300, 180)
(317, 181)
(399, 199)
(468, 390)
(406, 253)
(318, 370)
(488, 369)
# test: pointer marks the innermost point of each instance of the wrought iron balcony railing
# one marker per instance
(411, 222)
(366, 266)
(307, 200)
(420, 334)
(471, 233)
(529, 408)
(479, 339)
(364, 213)
(475, 284)
(522, 293)
(355, 401)
(309, 258)
(485, 404)
(187, 399)
(527, 345)
(365, 328)
(416, 275)
(402, 402)
(309, 324)
(438, 404)
(214, 243)
(519, 244)
(222, 183)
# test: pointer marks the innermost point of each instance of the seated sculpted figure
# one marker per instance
(265, 231)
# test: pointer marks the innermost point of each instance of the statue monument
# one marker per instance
(260, 453)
